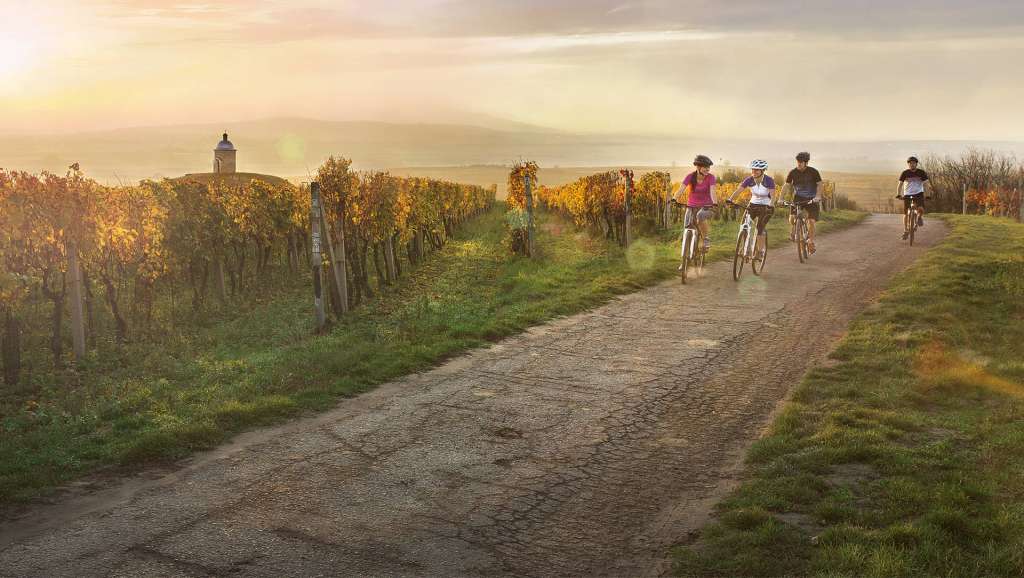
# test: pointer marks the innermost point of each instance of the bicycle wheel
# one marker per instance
(737, 259)
(699, 253)
(806, 235)
(801, 239)
(912, 216)
(758, 265)
(684, 257)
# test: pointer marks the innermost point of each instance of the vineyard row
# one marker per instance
(209, 236)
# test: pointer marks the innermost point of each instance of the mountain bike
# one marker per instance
(691, 251)
(912, 218)
(746, 242)
(803, 234)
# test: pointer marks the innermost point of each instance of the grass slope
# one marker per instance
(905, 457)
(152, 402)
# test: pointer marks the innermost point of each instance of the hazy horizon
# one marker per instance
(787, 71)
(293, 147)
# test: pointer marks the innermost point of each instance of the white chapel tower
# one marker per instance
(224, 156)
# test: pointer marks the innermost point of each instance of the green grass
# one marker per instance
(905, 457)
(210, 378)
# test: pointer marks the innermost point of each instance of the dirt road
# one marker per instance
(585, 446)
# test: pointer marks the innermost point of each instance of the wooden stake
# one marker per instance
(77, 320)
(222, 286)
(628, 193)
(530, 244)
(389, 259)
(338, 265)
(315, 219)
(668, 204)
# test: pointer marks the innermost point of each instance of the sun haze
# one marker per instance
(790, 69)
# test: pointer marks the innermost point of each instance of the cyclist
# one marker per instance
(913, 183)
(701, 197)
(805, 181)
(762, 198)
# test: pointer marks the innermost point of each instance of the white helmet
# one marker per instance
(758, 164)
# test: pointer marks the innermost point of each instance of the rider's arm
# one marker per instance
(899, 188)
(714, 199)
(735, 193)
(775, 194)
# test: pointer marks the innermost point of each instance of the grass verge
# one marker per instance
(147, 402)
(905, 457)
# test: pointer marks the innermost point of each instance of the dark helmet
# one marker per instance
(804, 157)
(913, 160)
(702, 161)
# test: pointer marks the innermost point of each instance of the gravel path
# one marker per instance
(588, 445)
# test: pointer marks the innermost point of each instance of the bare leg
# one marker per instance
(810, 230)
(705, 229)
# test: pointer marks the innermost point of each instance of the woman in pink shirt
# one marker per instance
(701, 199)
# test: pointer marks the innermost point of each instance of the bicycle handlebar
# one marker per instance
(803, 204)
(675, 202)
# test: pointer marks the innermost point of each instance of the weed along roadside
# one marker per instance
(905, 456)
(163, 402)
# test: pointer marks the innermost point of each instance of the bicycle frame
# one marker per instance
(689, 232)
(748, 226)
(911, 215)
(800, 227)
(691, 248)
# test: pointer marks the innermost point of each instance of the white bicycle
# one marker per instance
(691, 251)
(746, 242)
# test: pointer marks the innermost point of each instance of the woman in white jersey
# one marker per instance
(762, 199)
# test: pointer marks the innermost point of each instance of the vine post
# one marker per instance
(520, 218)
(1020, 201)
(667, 216)
(627, 197)
(77, 320)
(337, 257)
(528, 192)
(315, 210)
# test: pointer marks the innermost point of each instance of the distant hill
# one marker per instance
(295, 146)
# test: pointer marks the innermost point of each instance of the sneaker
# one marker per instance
(906, 235)
(810, 247)
(680, 267)
(920, 221)
(707, 245)
(759, 256)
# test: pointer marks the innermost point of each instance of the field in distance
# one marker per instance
(871, 191)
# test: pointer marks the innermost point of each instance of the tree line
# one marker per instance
(989, 181)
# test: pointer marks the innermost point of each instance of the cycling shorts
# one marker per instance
(761, 214)
(702, 213)
(918, 201)
(813, 209)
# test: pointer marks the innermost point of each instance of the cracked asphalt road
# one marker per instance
(588, 445)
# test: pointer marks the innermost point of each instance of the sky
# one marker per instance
(788, 69)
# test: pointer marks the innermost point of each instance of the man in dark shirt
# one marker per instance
(806, 184)
(913, 183)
